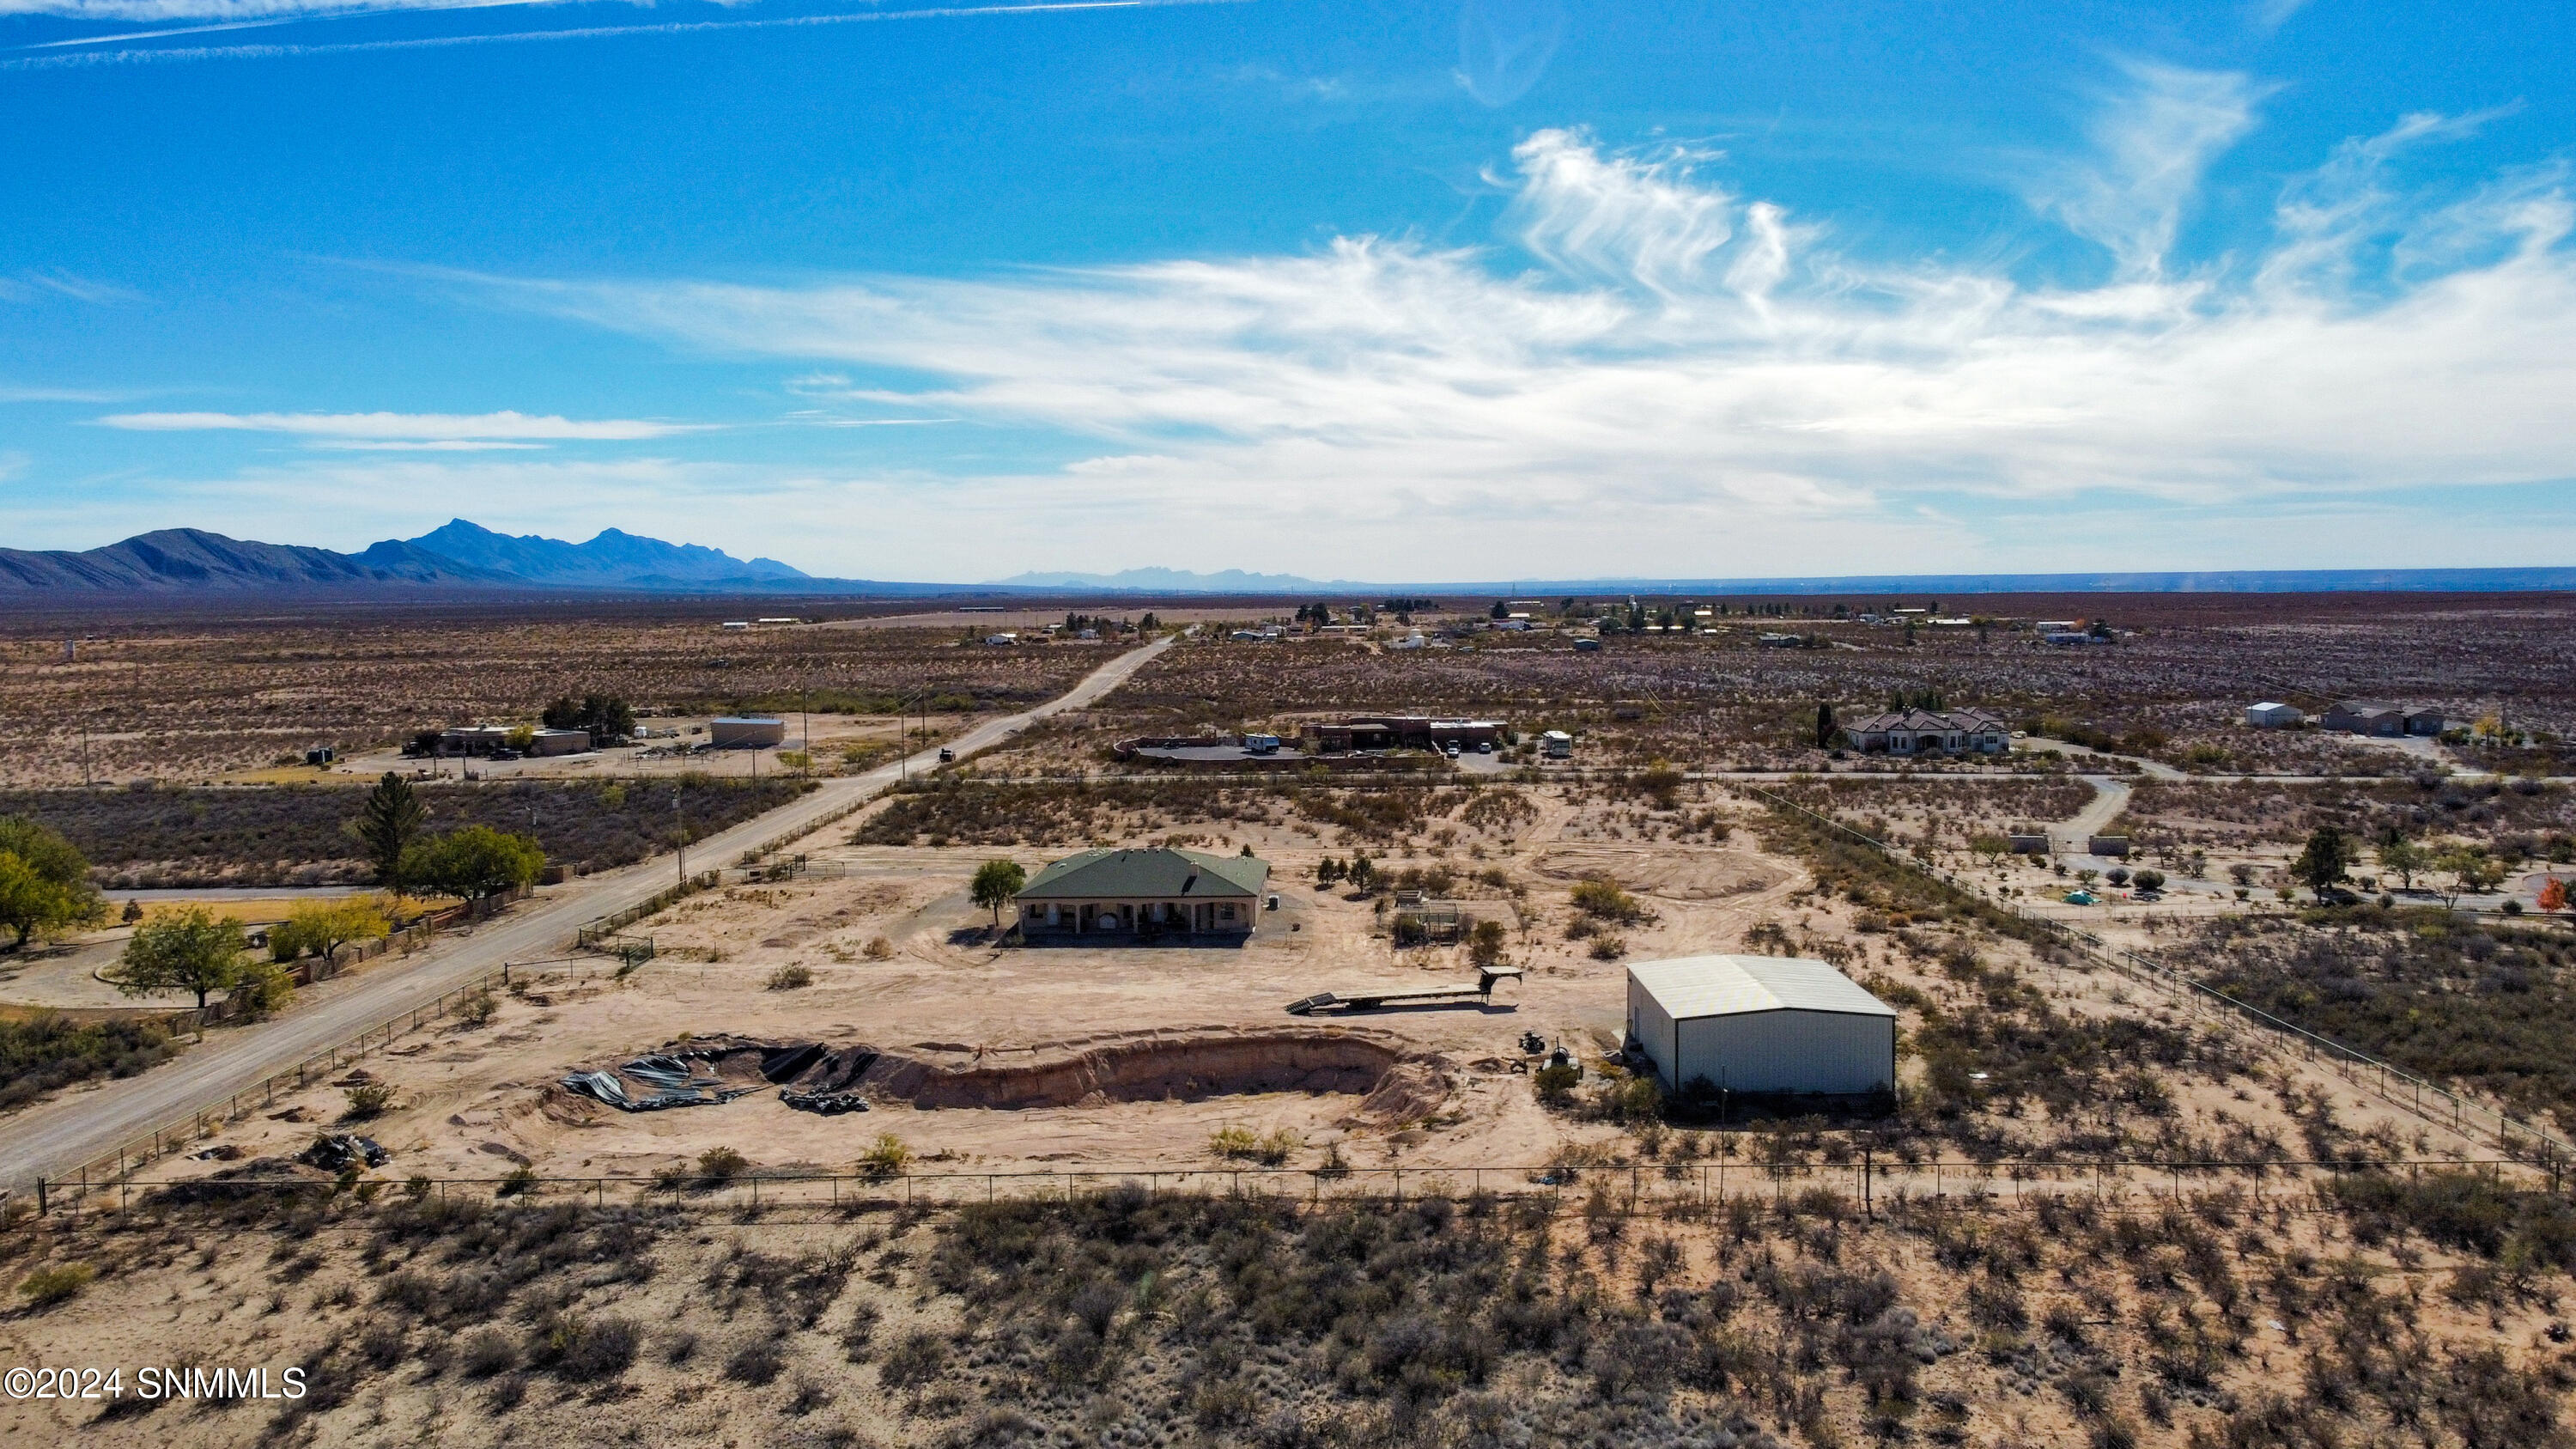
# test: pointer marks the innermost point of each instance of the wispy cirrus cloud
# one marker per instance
(1700, 361)
(1663, 377)
(2152, 140)
(425, 432)
(31, 285)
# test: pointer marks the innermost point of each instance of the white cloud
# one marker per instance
(447, 431)
(1694, 385)
(1618, 219)
(1695, 378)
(2152, 142)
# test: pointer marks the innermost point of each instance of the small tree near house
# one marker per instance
(188, 950)
(996, 882)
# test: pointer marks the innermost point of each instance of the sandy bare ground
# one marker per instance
(53, 1136)
(477, 1102)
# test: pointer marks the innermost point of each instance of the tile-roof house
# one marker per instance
(1926, 732)
(1144, 892)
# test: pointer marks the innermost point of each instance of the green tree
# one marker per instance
(326, 926)
(1826, 729)
(2321, 866)
(2472, 871)
(44, 882)
(187, 950)
(996, 881)
(2406, 858)
(1485, 945)
(474, 862)
(605, 715)
(387, 824)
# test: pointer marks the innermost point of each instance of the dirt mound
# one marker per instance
(1675, 873)
(1409, 1092)
(1177, 1065)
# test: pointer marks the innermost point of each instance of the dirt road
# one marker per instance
(63, 1134)
(2110, 797)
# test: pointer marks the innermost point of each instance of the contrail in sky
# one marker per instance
(682, 27)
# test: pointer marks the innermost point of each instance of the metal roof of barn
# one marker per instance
(1690, 987)
(1148, 874)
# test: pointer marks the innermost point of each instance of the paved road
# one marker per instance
(61, 1135)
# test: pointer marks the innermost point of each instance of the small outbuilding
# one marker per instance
(1761, 1024)
(2272, 716)
(739, 731)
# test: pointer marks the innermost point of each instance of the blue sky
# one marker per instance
(1350, 290)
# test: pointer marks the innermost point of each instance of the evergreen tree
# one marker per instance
(387, 824)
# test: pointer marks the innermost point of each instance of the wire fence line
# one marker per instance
(2393, 1084)
(1863, 1185)
(179, 1132)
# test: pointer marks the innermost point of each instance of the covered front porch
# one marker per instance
(1142, 918)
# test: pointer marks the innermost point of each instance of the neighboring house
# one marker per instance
(473, 739)
(2270, 716)
(559, 742)
(1143, 892)
(1927, 732)
(1393, 732)
(2378, 717)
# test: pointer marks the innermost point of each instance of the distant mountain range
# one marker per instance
(613, 559)
(461, 556)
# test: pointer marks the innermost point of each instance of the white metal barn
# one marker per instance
(1761, 1024)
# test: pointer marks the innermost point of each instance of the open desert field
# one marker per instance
(1574, 1264)
(1149, 1206)
(2172, 688)
(189, 698)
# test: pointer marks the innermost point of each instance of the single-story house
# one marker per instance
(473, 739)
(559, 742)
(1144, 892)
(1761, 1024)
(2378, 717)
(2272, 716)
(1393, 732)
(1929, 732)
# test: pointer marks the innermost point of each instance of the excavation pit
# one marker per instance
(1391, 1081)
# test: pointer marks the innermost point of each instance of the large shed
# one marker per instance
(1761, 1024)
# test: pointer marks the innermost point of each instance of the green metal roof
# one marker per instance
(1151, 874)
